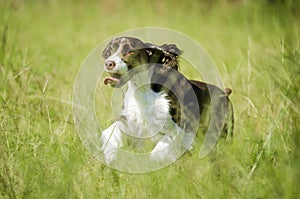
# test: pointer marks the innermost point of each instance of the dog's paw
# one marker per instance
(165, 150)
(110, 153)
(111, 141)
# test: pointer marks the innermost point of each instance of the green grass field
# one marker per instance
(255, 45)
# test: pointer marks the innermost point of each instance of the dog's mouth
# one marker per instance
(112, 80)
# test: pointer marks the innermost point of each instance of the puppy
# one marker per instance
(160, 103)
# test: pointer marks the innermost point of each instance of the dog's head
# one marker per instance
(125, 53)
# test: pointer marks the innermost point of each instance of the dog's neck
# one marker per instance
(141, 80)
(140, 93)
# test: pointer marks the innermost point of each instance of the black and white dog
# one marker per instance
(159, 103)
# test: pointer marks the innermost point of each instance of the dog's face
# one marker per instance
(125, 53)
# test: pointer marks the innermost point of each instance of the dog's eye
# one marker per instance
(129, 52)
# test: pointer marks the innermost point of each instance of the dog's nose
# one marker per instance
(109, 65)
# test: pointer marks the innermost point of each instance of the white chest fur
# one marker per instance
(146, 111)
(145, 115)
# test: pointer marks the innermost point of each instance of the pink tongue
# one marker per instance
(111, 80)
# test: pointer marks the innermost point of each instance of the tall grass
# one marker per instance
(255, 45)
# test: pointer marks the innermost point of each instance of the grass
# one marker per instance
(255, 46)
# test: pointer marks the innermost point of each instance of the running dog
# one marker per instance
(160, 103)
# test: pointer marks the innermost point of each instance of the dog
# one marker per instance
(160, 103)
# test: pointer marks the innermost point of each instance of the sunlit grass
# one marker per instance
(254, 45)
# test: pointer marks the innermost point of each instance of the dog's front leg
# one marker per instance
(169, 147)
(162, 149)
(111, 140)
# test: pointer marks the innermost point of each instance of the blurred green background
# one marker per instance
(255, 45)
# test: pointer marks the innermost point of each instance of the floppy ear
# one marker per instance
(167, 55)
(171, 54)
(171, 48)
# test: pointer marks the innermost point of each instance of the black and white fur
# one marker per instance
(153, 110)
